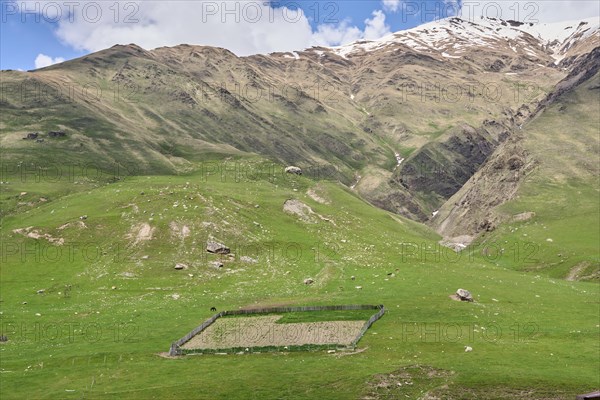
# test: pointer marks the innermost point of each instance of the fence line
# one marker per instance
(368, 324)
(176, 346)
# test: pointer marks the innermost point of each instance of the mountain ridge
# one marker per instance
(558, 36)
(370, 119)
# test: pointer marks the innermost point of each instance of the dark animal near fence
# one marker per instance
(213, 309)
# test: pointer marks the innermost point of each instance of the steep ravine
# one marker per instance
(472, 209)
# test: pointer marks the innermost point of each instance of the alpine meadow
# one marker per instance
(408, 209)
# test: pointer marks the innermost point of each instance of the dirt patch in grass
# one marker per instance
(78, 224)
(299, 209)
(313, 194)
(179, 230)
(412, 382)
(141, 233)
(428, 383)
(575, 272)
(32, 233)
(497, 393)
(351, 353)
(262, 331)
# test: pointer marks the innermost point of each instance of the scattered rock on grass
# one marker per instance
(525, 216)
(217, 248)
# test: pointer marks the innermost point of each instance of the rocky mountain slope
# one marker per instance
(406, 121)
(472, 208)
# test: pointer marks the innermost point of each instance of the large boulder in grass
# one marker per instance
(293, 170)
(217, 248)
(464, 295)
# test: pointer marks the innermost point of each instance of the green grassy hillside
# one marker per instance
(112, 299)
(167, 149)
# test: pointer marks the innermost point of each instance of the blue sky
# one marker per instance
(39, 33)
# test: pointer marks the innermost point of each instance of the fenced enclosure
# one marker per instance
(327, 329)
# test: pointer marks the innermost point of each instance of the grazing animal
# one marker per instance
(213, 309)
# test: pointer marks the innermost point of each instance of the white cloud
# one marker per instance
(531, 11)
(376, 27)
(243, 26)
(251, 26)
(342, 33)
(391, 5)
(43, 60)
(334, 35)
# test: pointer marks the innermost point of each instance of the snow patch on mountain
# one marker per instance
(446, 36)
(293, 55)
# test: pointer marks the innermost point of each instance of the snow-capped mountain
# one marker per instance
(453, 37)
